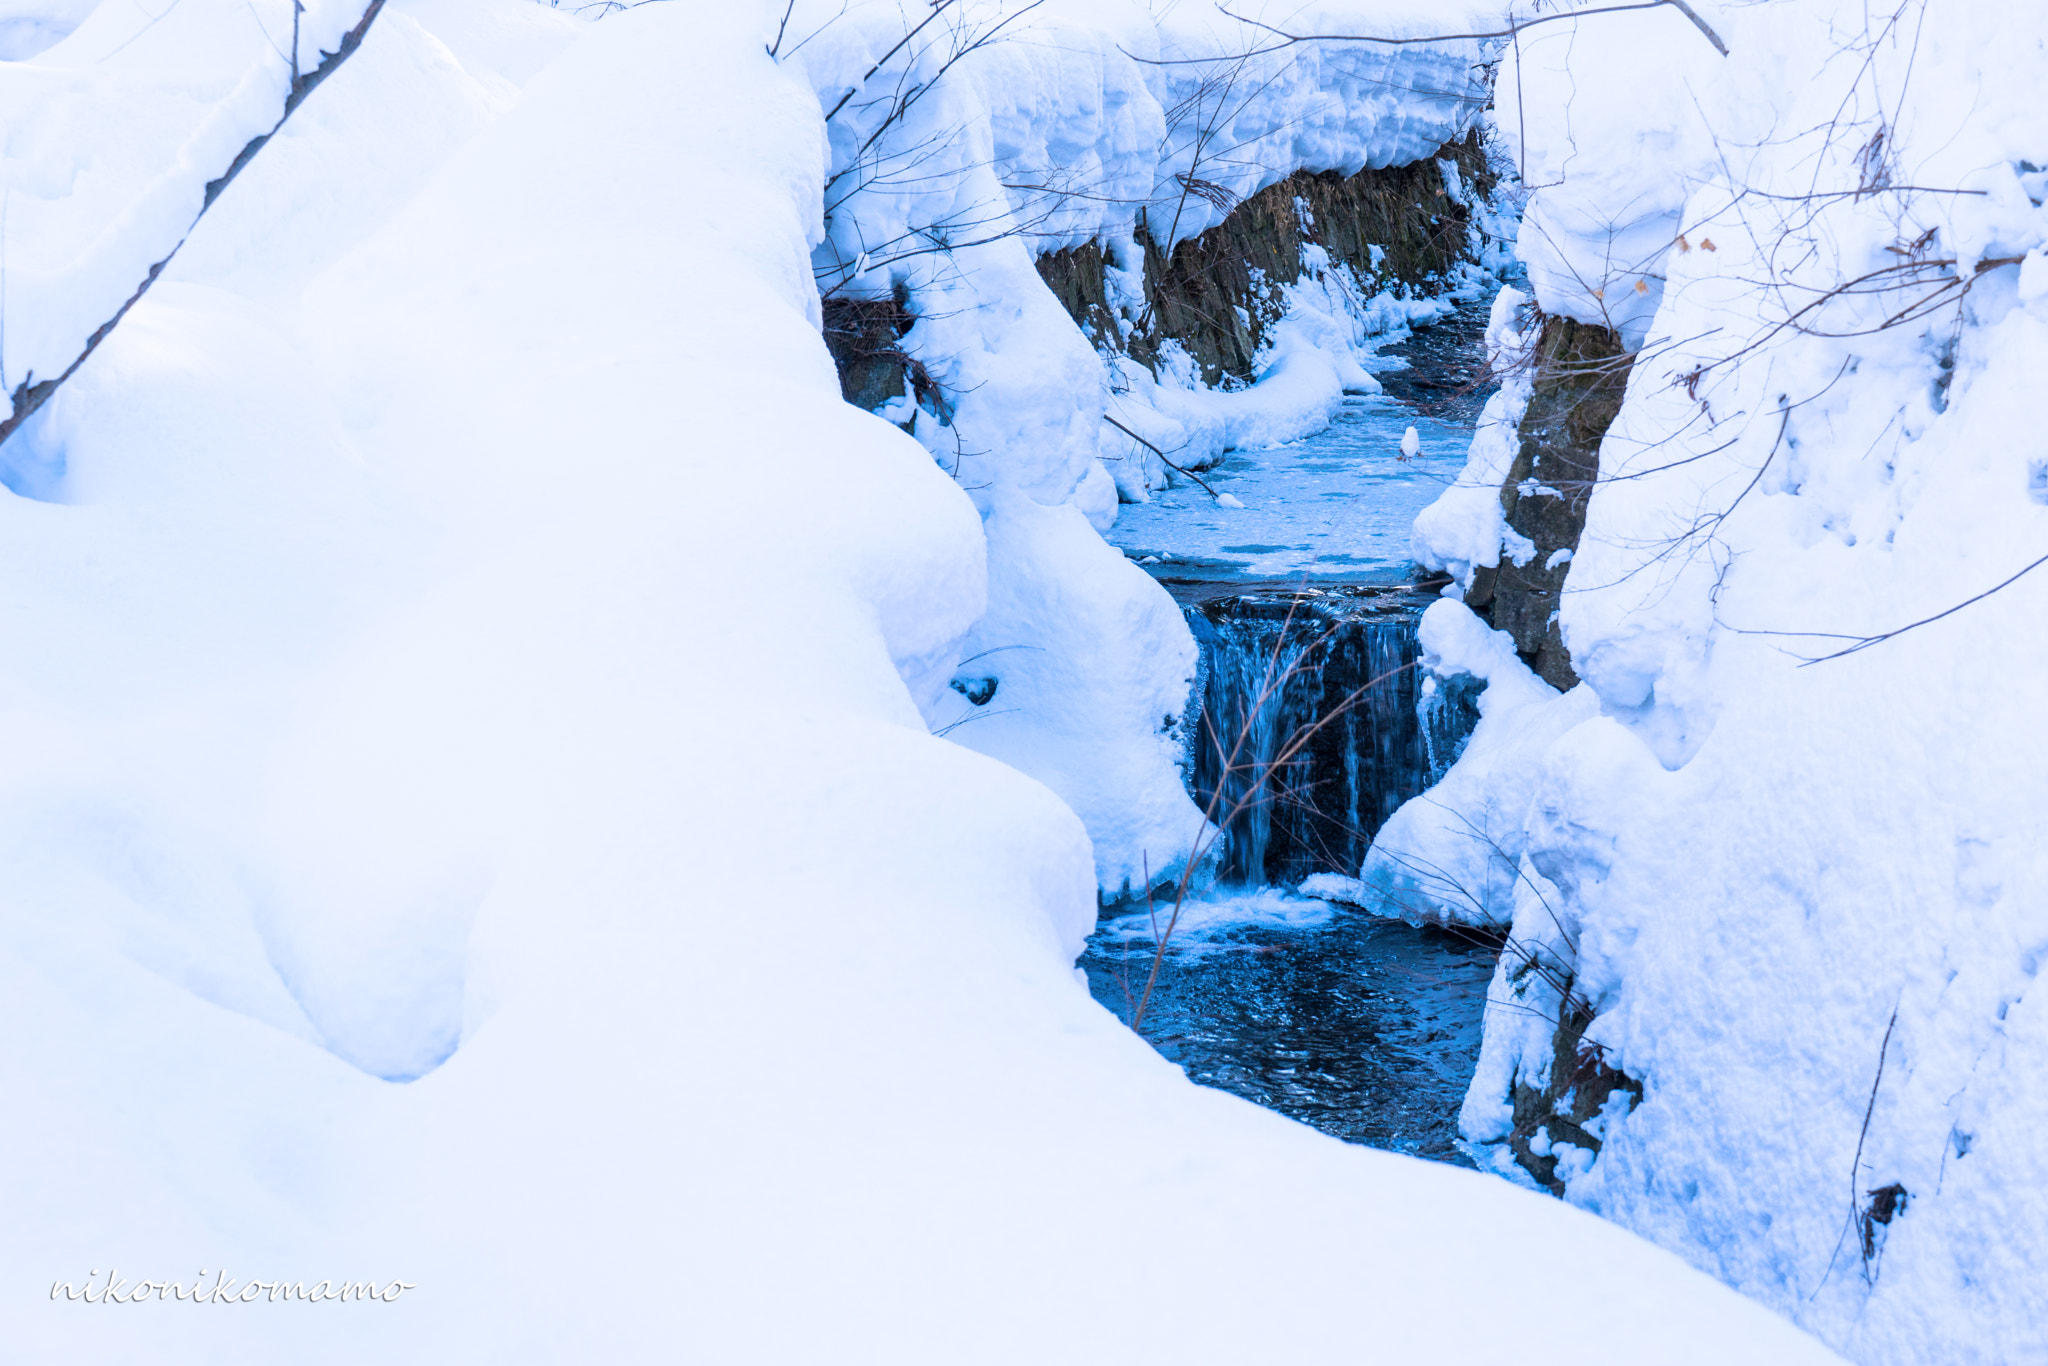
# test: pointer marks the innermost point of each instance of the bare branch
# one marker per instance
(31, 394)
(1177, 469)
(1284, 39)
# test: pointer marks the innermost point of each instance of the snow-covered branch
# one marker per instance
(30, 394)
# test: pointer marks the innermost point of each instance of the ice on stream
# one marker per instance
(1338, 504)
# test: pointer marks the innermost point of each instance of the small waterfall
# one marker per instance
(1316, 724)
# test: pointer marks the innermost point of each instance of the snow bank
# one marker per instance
(1618, 161)
(1803, 898)
(473, 642)
(1464, 529)
(117, 122)
(967, 140)
(1065, 617)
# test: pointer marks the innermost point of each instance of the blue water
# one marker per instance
(1337, 505)
(1364, 1027)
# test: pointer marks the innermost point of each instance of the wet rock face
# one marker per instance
(1216, 293)
(1581, 374)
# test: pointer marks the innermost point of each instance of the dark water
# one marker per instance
(1314, 726)
(1363, 1027)
(1446, 377)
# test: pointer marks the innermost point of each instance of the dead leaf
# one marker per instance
(1642, 287)
(1707, 244)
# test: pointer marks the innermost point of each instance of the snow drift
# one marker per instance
(470, 641)
(1787, 858)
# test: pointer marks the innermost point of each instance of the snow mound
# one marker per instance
(1790, 864)
(478, 645)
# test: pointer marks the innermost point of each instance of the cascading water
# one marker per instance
(1315, 725)
(1309, 735)
(1314, 722)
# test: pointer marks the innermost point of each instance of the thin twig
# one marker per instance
(1865, 642)
(775, 48)
(1513, 30)
(1856, 1164)
(1162, 455)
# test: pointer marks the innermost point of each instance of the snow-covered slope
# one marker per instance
(1802, 889)
(470, 641)
(117, 122)
(964, 139)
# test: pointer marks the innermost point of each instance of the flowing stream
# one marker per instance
(1314, 728)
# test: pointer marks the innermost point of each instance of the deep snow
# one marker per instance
(1804, 894)
(472, 819)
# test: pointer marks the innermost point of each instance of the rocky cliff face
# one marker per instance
(1581, 373)
(1216, 294)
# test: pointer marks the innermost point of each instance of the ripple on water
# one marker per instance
(1363, 1027)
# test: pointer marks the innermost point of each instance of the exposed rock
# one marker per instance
(1580, 1085)
(863, 336)
(1217, 294)
(865, 339)
(1581, 373)
(978, 690)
